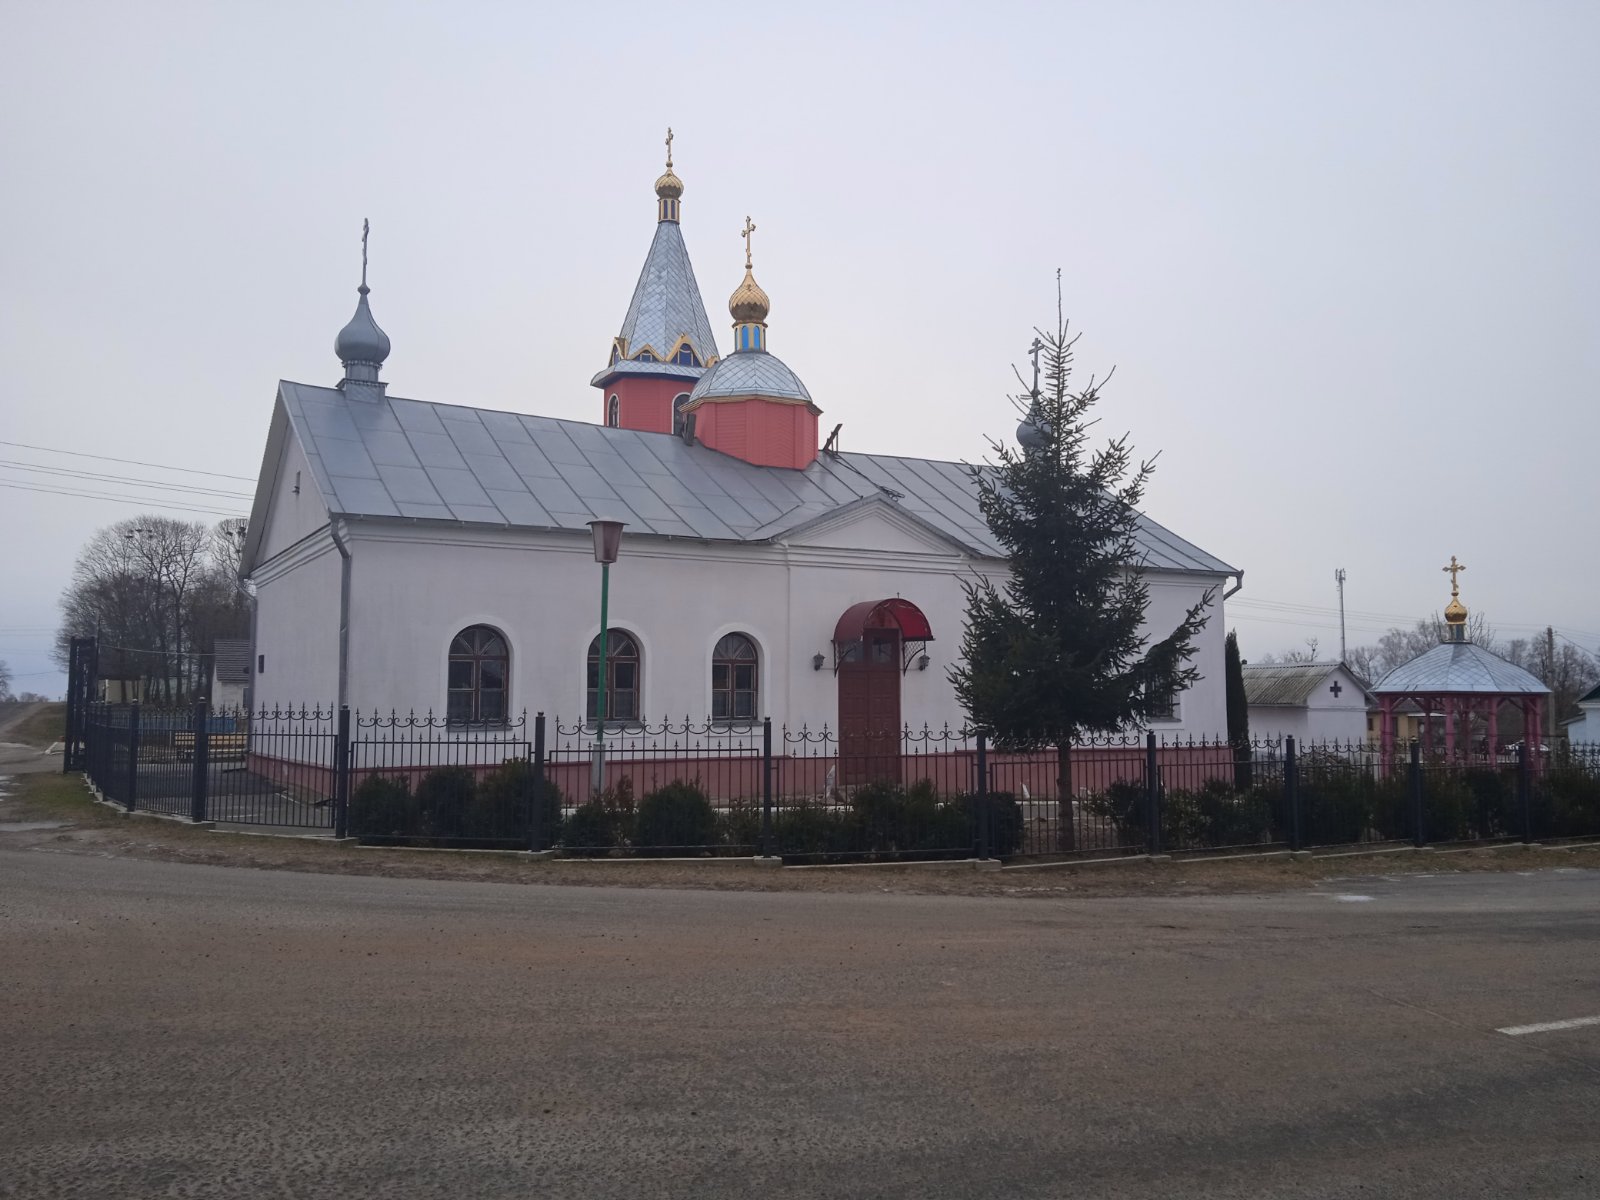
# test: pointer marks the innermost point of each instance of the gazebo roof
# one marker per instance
(1459, 668)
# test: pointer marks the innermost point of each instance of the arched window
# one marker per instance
(733, 679)
(678, 402)
(685, 356)
(480, 663)
(623, 676)
(613, 412)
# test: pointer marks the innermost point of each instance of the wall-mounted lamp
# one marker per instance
(816, 662)
(922, 663)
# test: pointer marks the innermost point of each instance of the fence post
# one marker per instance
(985, 804)
(132, 798)
(536, 819)
(1419, 837)
(341, 775)
(766, 787)
(1291, 793)
(202, 761)
(1152, 795)
(1525, 789)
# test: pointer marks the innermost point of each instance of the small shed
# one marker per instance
(1584, 729)
(1311, 702)
(230, 673)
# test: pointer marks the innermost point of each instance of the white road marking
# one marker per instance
(1352, 899)
(1549, 1026)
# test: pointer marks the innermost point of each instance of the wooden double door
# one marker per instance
(869, 708)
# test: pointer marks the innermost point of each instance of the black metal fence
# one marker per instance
(694, 789)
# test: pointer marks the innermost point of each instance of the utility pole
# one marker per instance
(1338, 578)
(1550, 679)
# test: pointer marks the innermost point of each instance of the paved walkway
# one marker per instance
(199, 1031)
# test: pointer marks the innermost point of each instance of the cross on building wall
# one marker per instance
(1336, 689)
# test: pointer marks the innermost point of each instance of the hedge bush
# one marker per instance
(444, 797)
(677, 816)
(382, 807)
(601, 825)
(501, 808)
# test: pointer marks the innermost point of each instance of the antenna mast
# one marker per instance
(1338, 578)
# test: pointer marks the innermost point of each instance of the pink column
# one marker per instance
(1386, 731)
(1449, 729)
(1535, 733)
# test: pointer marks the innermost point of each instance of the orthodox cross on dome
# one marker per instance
(1453, 570)
(669, 147)
(749, 228)
(1033, 352)
(365, 228)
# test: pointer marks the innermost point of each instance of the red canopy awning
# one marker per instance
(883, 614)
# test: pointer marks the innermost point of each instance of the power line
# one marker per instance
(132, 462)
(127, 480)
(133, 501)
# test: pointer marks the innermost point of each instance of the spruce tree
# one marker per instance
(1059, 649)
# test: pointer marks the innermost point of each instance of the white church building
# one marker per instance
(426, 555)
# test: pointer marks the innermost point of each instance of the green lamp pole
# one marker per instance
(607, 543)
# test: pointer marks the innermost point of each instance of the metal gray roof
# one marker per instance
(1287, 684)
(666, 302)
(390, 457)
(750, 373)
(1459, 667)
(630, 367)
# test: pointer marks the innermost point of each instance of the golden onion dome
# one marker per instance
(749, 304)
(669, 186)
(1455, 613)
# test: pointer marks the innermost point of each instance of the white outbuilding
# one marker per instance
(1312, 702)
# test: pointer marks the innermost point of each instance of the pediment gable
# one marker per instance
(873, 524)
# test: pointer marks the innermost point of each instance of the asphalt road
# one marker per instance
(175, 1030)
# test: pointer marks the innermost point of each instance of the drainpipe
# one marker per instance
(1234, 590)
(344, 612)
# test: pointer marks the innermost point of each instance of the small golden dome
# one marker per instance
(669, 186)
(749, 304)
(1455, 613)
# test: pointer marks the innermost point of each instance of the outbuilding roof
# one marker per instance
(1459, 668)
(398, 458)
(230, 659)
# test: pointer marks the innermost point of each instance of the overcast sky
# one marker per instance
(1343, 257)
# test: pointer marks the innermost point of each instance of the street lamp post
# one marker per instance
(607, 543)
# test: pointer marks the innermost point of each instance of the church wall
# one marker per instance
(414, 588)
(297, 629)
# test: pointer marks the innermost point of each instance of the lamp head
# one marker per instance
(607, 540)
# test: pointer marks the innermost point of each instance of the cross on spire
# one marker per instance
(669, 147)
(1453, 570)
(365, 226)
(749, 228)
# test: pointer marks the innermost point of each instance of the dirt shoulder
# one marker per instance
(35, 724)
(56, 813)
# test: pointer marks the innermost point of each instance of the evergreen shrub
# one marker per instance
(383, 807)
(677, 816)
(445, 797)
(501, 806)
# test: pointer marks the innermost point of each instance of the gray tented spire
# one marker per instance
(666, 331)
(361, 345)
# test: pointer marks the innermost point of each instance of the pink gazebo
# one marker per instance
(1466, 687)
